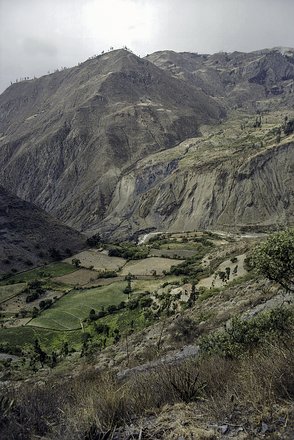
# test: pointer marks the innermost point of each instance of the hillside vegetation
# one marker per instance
(175, 360)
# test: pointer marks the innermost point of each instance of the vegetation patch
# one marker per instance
(244, 335)
(70, 311)
(128, 251)
(48, 271)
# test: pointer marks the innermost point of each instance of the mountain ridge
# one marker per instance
(71, 141)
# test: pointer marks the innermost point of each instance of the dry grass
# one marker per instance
(164, 403)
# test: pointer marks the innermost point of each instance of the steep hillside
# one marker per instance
(121, 144)
(228, 179)
(67, 137)
(260, 80)
(29, 236)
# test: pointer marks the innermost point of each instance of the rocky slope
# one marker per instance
(121, 144)
(67, 137)
(204, 184)
(28, 235)
(260, 80)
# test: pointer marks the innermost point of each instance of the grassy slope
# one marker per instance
(9, 291)
(50, 270)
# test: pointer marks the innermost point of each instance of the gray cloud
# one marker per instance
(36, 46)
(37, 36)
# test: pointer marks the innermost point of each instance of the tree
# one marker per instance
(127, 290)
(76, 262)
(94, 241)
(274, 258)
(40, 354)
(289, 127)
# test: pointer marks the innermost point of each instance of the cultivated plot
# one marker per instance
(149, 266)
(78, 277)
(69, 312)
(98, 260)
(10, 290)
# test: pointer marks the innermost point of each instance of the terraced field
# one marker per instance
(10, 290)
(98, 260)
(50, 270)
(148, 266)
(22, 336)
(78, 277)
(69, 312)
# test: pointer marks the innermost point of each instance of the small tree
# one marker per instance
(41, 355)
(127, 290)
(94, 241)
(274, 258)
(76, 262)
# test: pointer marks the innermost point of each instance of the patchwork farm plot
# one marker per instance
(149, 266)
(10, 291)
(96, 280)
(69, 312)
(99, 261)
(77, 278)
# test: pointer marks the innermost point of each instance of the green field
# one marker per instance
(69, 311)
(21, 336)
(50, 270)
(181, 246)
(122, 320)
(153, 283)
(10, 290)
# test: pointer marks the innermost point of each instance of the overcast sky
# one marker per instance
(37, 36)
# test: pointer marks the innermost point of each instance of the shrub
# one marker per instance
(274, 258)
(94, 241)
(128, 251)
(184, 330)
(244, 335)
(289, 127)
(107, 274)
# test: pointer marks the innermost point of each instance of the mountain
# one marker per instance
(30, 237)
(67, 137)
(175, 141)
(260, 80)
(243, 186)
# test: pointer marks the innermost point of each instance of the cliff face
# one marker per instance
(226, 193)
(121, 144)
(30, 237)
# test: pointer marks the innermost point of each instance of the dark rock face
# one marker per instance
(105, 146)
(30, 237)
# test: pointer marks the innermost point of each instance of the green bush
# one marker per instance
(244, 335)
(128, 251)
(274, 258)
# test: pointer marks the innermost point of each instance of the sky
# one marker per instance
(38, 36)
